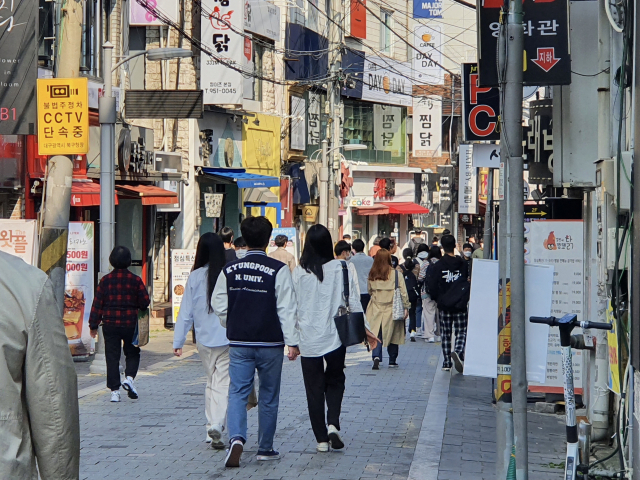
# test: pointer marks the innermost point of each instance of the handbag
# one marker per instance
(350, 325)
(398, 306)
(141, 334)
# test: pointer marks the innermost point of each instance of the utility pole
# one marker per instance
(57, 199)
(324, 186)
(512, 127)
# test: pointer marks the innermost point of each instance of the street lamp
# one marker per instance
(107, 115)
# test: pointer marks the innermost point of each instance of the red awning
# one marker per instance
(86, 194)
(149, 194)
(405, 208)
(378, 209)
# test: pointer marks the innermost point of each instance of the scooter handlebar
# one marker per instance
(546, 320)
(599, 325)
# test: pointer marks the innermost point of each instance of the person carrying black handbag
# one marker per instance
(409, 269)
(448, 284)
(318, 282)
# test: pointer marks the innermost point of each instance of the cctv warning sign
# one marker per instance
(63, 116)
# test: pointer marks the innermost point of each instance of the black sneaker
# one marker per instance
(393, 365)
(234, 453)
(376, 364)
(335, 438)
(457, 362)
(263, 456)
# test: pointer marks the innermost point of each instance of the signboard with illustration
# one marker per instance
(19, 238)
(226, 141)
(79, 287)
(181, 265)
(292, 244)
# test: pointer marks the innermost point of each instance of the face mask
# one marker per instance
(241, 253)
(467, 254)
(348, 256)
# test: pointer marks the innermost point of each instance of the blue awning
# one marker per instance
(242, 178)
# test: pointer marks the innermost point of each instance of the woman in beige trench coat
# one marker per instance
(382, 284)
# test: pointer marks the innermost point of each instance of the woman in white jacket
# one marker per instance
(211, 337)
(318, 283)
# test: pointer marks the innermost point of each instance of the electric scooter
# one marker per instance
(566, 324)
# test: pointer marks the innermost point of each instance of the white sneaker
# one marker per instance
(207, 439)
(335, 438)
(115, 396)
(233, 454)
(322, 447)
(127, 384)
(215, 433)
(430, 340)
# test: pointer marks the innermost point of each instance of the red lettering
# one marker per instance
(505, 386)
(4, 113)
(475, 89)
(14, 113)
(473, 120)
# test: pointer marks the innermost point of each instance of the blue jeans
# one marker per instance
(392, 350)
(243, 362)
(419, 313)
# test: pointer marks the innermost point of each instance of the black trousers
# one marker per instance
(117, 339)
(324, 385)
(412, 317)
(364, 300)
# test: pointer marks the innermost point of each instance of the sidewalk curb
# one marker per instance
(165, 363)
(426, 458)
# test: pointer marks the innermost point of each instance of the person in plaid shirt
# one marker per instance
(119, 296)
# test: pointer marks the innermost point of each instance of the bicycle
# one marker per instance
(566, 324)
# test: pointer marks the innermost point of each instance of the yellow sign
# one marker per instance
(614, 358)
(310, 213)
(63, 116)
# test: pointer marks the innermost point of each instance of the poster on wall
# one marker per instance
(427, 56)
(141, 17)
(292, 244)
(213, 204)
(388, 134)
(79, 287)
(181, 265)
(559, 243)
(297, 126)
(19, 238)
(222, 71)
(427, 126)
(468, 193)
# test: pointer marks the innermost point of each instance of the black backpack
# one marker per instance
(457, 297)
(413, 290)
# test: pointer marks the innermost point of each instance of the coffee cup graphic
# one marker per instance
(426, 37)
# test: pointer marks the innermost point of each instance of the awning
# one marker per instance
(86, 194)
(242, 178)
(405, 208)
(260, 195)
(379, 209)
(149, 194)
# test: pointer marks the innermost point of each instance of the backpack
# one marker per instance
(412, 285)
(457, 297)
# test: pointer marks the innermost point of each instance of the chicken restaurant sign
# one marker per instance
(387, 81)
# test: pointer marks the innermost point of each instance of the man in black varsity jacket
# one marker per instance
(255, 301)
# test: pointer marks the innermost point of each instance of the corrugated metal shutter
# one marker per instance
(163, 104)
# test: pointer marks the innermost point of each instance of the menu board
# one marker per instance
(18, 238)
(559, 243)
(78, 291)
(181, 265)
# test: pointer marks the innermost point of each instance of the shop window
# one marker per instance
(90, 49)
(386, 35)
(258, 62)
(46, 34)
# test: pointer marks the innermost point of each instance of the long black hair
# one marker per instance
(318, 250)
(434, 252)
(407, 253)
(210, 253)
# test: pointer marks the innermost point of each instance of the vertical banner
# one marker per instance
(248, 65)
(427, 56)
(19, 238)
(298, 121)
(79, 287)
(313, 121)
(19, 72)
(181, 265)
(445, 183)
(427, 126)
(358, 14)
(612, 347)
(387, 129)
(480, 107)
(468, 185)
(559, 243)
(222, 78)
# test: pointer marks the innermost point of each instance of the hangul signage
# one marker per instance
(480, 107)
(427, 127)
(19, 238)
(486, 155)
(63, 116)
(19, 57)
(538, 142)
(427, 56)
(547, 60)
(445, 199)
(222, 81)
(358, 20)
(313, 120)
(388, 133)
(468, 185)
(262, 18)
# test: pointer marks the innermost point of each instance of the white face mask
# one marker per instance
(467, 254)
(241, 253)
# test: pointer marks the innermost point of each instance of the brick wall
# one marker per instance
(431, 163)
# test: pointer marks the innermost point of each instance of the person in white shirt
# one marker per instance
(212, 343)
(318, 283)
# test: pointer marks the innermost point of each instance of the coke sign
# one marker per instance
(481, 107)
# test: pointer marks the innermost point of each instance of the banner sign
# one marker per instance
(388, 133)
(427, 8)
(313, 120)
(140, 17)
(181, 265)
(445, 182)
(480, 107)
(19, 72)
(63, 116)
(19, 238)
(559, 243)
(357, 202)
(427, 126)
(79, 287)
(358, 14)
(538, 142)
(383, 85)
(222, 85)
(427, 55)
(546, 42)
(262, 18)
(468, 185)
(486, 155)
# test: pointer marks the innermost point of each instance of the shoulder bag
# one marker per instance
(398, 306)
(350, 325)
(141, 335)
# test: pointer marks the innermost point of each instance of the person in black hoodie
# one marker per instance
(448, 285)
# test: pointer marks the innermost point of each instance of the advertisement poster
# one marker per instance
(427, 126)
(427, 56)
(79, 287)
(292, 244)
(181, 265)
(468, 193)
(559, 243)
(19, 238)
(223, 84)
